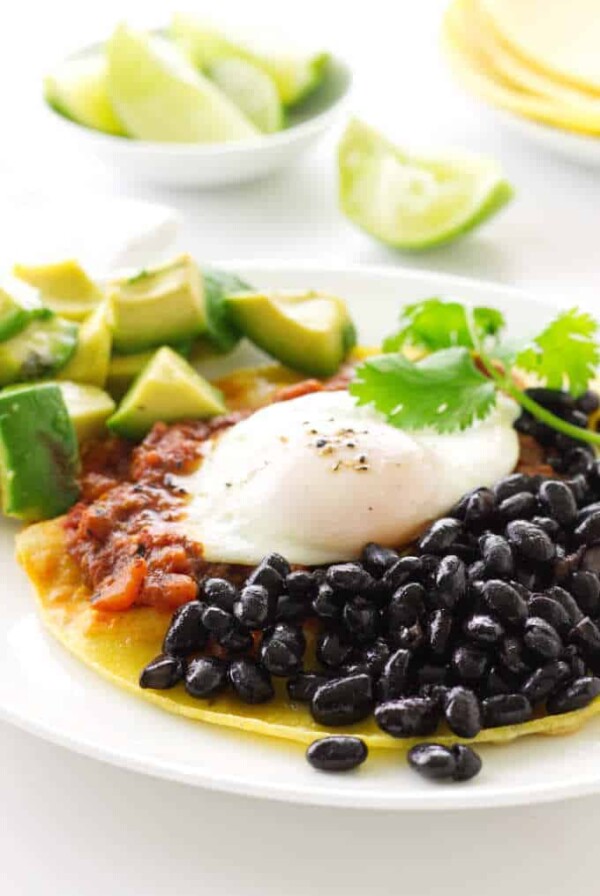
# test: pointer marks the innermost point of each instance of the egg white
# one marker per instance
(317, 477)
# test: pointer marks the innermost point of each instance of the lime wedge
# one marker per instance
(78, 89)
(251, 89)
(414, 203)
(160, 96)
(295, 75)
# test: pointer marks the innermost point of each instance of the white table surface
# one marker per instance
(75, 827)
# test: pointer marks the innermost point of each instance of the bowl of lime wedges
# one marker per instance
(191, 106)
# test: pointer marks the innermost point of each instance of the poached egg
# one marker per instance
(317, 477)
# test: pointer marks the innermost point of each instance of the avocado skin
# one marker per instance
(39, 457)
(221, 330)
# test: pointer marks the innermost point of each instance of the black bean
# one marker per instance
(468, 762)
(279, 563)
(163, 672)
(327, 604)
(497, 555)
(337, 754)
(300, 584)
(593, 474)
(410, 637)
(542, 638)
(291, 608)
(585, 588)
(217, 621)
(280, 654)
(392, 682)
(484, 629)
(333, 648)
(406, 606)
(462, 711)
(540, 684)
(588, 532)
(350, 578)
(567, 602)
(408, 716)
(429, 567)
(432, 761)
(557, 498)
(220, 592)
(586, 635)
(373, 657)
(553, 399)
(250, 682)
(578, 460)
(459, 509)
(450, 582)
(580, 487)
(302, 687)
(530, 541)
(186, 633)
(377, 559)
(512, 485)
(440, 536)
(521, 506)
(404, 570)
(238, 640)
(439, 628)
(587, 402)
(589, 510)
(256, 607)
(549, 609)
(480, 507)
(506, 709)
(268, 577)
(205, 676)
(343, 701)
(511, 656)
(576, 695)
(361, 618)
(476, 572)
(470, 663)
(576, 665)
(504, 601)
(527, 578)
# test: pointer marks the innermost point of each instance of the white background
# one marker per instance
(74, 827)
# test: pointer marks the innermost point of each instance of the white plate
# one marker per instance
(218, 164)
(46, 691)
(584, 150)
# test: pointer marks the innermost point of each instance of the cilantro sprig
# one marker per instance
(467, 364)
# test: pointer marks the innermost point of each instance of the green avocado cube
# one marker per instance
(158, 306)
(39, 350)
(39, 458)
(168, 389)
(18, 303)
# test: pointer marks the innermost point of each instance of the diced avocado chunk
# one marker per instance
(168, 389)
(40, 350)
(89, 408)
(39, 458)
(17, 302)
(123, 369)
(158, 306)
(307, 331)
(220, 329)
(64, 287)
(91, 359)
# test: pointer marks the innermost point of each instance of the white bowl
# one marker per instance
(219, 164)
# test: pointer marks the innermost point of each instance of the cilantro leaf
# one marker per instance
(565, 354)
(444, 391)
(434, 324)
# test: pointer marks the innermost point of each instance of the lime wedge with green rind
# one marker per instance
(414, 203)
(295, 75)
(78, 89)
(251, 89)
(159, 95)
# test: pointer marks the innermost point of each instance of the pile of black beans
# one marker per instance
(493, 617)
(565, 455)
